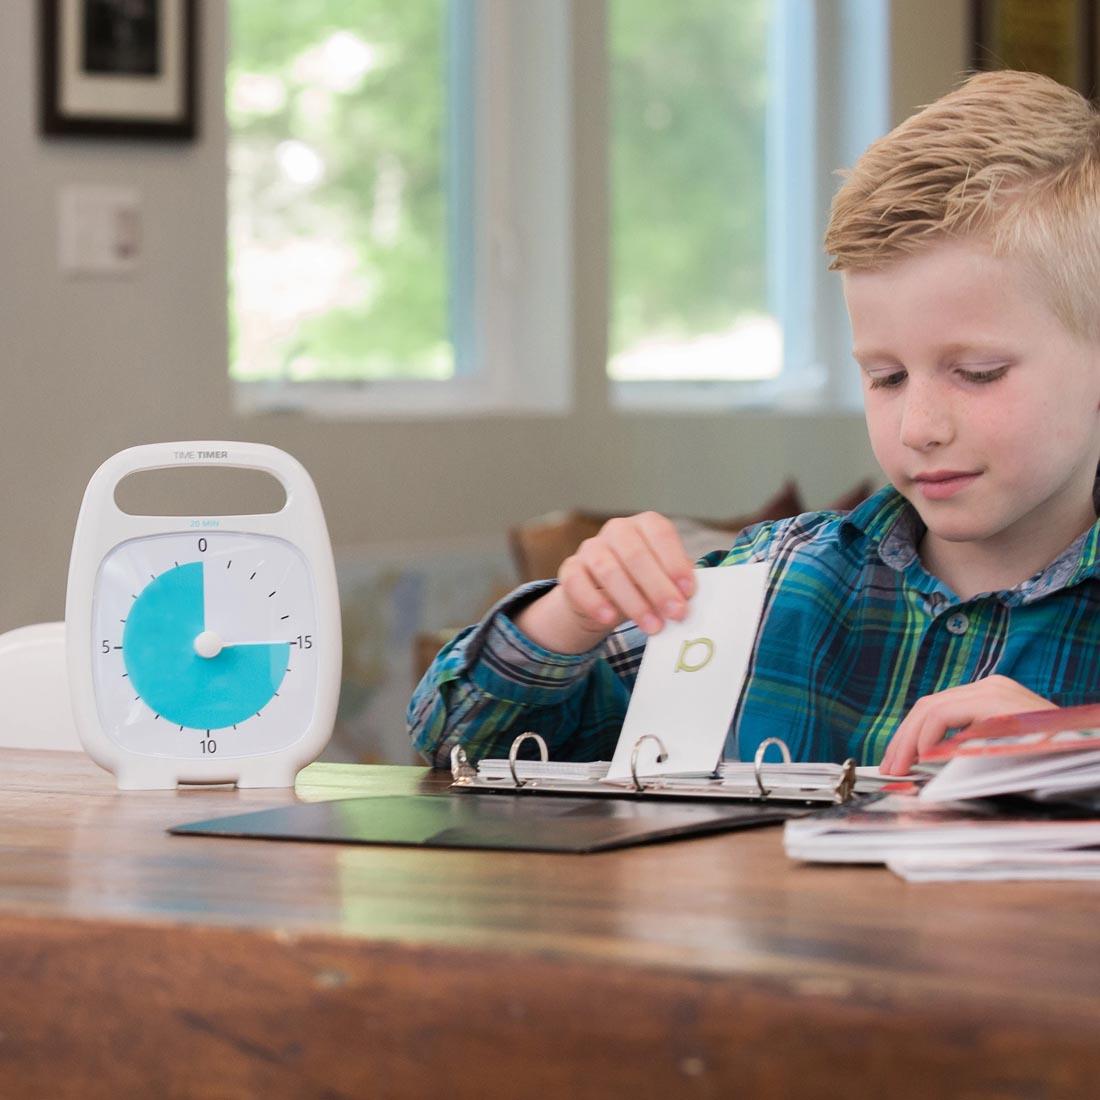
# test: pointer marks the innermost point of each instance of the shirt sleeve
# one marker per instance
(492, 683)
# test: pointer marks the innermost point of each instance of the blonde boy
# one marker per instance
(968, 241)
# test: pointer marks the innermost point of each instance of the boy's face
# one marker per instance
(982, 408)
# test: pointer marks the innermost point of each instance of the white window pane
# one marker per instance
(337, 196)
(689, 98)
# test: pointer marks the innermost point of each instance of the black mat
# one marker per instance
(465, 820)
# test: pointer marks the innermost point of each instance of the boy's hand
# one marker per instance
(636, 568)
(931, 717)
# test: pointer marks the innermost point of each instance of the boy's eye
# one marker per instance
(991, 374)
(886, 381)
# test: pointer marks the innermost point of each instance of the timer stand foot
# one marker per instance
(142, 777)
(267, 773)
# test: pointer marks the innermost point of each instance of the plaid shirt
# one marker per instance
(853, 632)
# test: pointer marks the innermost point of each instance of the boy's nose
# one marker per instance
(925, 419)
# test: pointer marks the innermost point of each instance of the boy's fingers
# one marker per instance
(901, 753)
(624, 593)
(963, 706)
(898, 757)
(605, 573)
(635, 568)
(644, 570)
(668, 548)
(935, 728)
(585, 596)
(928, 723)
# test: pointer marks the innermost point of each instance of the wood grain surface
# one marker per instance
(135, 963)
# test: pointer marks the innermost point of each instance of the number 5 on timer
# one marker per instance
(203, 649)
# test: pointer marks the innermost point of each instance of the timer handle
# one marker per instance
(287, 470)
(103, 524)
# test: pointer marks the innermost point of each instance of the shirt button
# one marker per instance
(957, 623)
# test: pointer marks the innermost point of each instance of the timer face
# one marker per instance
(203, 644)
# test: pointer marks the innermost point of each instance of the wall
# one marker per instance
(89, 367)
(929, 50)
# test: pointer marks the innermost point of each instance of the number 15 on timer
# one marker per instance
(203, 649)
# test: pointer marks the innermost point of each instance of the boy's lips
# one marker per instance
(940, 484)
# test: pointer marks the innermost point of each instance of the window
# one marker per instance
(338, 216)
(401, 200)
(726, 123)
(689, 103)
(399, 206)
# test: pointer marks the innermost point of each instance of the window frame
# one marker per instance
(510, 111)
(512, 313)
(831, 59)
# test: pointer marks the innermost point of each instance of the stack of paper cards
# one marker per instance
(567, 771)
(1051, 756)
(986, 865)
(872, 832)
(868, 780)
(959, 840)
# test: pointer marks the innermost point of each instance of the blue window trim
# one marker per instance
(461, 161)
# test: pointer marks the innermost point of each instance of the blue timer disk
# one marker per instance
(158, 649)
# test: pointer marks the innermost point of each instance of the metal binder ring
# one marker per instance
(662, 756)
(462, 771)
(758, 760)
(846, 784)
(513, 752)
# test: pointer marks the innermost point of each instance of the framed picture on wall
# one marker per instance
(1055, 37)
(118, 68)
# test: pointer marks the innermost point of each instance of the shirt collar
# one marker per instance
(879, 514)
(893, 530)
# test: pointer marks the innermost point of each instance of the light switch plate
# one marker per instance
(99, 229)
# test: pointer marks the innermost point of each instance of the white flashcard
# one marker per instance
(691, 675)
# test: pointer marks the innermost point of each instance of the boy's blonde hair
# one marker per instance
(1008, 158)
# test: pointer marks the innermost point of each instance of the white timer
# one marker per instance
(203, 649)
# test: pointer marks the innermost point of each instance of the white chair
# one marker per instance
(34, 689)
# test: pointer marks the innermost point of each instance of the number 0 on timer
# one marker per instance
(203, 649)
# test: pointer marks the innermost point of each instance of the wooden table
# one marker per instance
(134, 963)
